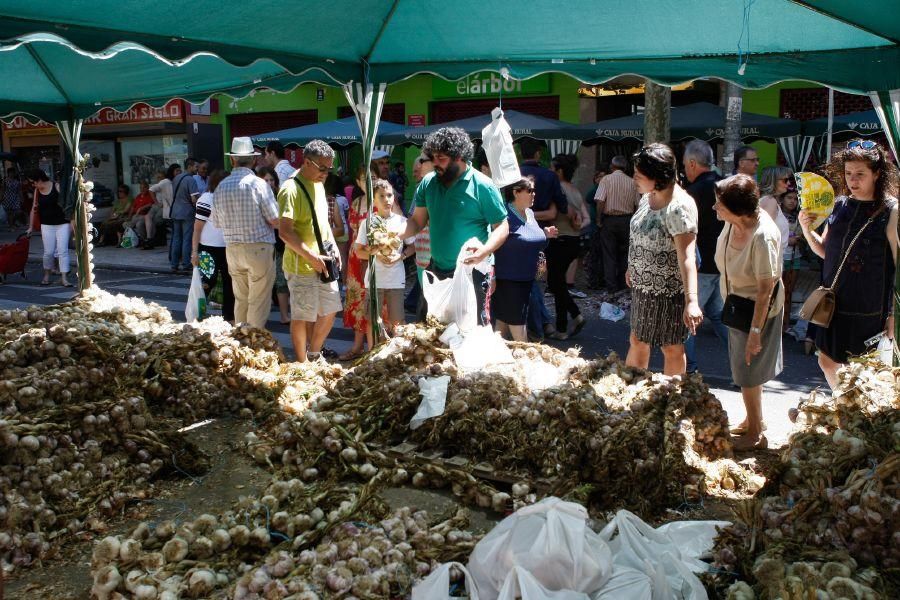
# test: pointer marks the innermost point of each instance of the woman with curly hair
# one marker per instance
(866, 212)
(662, 264)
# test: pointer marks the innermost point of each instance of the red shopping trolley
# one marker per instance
(13, 257)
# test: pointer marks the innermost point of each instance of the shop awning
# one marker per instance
(701, 120)
(342, 132)
(68, 59)
(522, 125)
(863, 123)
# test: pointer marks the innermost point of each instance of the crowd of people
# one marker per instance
(688, 244)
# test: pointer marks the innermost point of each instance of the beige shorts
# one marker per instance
(394, 300)
(311, 299)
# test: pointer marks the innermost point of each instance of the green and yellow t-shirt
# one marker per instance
(293, 204)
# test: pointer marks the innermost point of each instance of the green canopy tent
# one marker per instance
(45, 46)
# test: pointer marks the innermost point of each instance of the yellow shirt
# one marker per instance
(293, 204)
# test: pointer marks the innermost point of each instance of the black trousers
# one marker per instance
(614, 243)
(478, 279)
(221, 270)
(560, 254)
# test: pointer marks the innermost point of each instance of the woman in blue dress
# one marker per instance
(516, 261)
(867, 208)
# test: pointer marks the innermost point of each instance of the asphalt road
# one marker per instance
(801, 373)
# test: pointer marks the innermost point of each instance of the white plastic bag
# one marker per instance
(551, 540)
(195, 309)
(611, 312)
(496, 139)
(522, 584)
(480, 347)
(437, 585)
(434, 397)
(673, 550)
(453, 300)
(130, 238)
(626, 584)
(886, 350)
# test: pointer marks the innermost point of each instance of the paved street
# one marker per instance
(801, 372)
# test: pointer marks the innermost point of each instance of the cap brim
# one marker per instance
(239, 154)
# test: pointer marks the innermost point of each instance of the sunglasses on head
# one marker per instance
(864, 144)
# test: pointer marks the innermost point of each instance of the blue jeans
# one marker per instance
(538, 315)
(180, 247)
(710, 299)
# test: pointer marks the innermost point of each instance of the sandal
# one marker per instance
(577, 325)
(741, 429)
(744, 443)
(350, 355)
(45, 282)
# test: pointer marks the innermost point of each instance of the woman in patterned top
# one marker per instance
(662, 267)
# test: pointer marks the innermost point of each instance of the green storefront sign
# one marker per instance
(487, 83)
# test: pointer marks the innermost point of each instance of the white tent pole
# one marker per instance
(830, 123)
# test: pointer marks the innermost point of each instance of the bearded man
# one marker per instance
(458, 203)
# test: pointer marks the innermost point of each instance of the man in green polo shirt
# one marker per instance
(457, 203)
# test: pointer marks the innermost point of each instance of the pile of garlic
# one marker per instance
(92, 395)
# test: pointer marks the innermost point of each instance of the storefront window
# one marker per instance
(143, 157)
(102, 169)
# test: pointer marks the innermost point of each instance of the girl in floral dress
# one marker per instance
(355, 306)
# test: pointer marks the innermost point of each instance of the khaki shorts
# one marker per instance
(394, 300)
(311, 299)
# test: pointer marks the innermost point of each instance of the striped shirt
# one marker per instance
(618, 193)
(244, 205)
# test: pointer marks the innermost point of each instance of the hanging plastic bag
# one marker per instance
(673, 550)
(195, 309)
(437, 585)
(551, 540)
(434, 396)
(522, 584)
(130, 238)
(626, 584)
(496, 139)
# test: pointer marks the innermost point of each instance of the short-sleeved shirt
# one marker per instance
(465, 210)
(517, 258)
(293, 204)
(391, 277)
(210, 235)
(618, 193)
(202, 183)
(163, 191)
(652, 257)
(143, 199)
(759, 259)
(243, 207)
(184, 187)
(284, 170)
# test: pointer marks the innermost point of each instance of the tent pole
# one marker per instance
(830, 124)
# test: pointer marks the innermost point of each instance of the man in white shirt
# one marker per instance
(275, 158)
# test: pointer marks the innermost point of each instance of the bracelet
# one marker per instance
(755, 330)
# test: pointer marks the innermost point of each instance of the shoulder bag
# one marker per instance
(819, 306)
(326, 249)
(737, 311)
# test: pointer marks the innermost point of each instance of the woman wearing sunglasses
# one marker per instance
(773, 182)
(867, 208)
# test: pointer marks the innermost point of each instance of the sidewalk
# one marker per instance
(124, 259)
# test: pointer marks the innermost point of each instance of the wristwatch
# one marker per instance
(755, 330)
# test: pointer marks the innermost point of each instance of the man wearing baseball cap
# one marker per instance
(246, 212)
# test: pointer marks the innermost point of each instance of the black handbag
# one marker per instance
(326, 249)
(737, 312)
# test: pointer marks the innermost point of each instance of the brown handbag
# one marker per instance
(819, 306)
